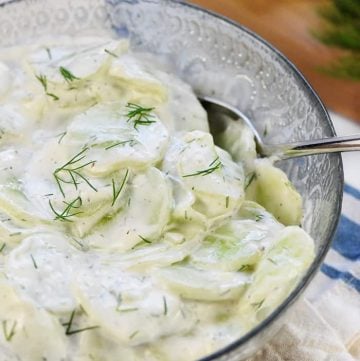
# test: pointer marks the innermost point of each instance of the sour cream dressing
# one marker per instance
(125, 231)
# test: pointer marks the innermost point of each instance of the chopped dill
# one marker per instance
(69, 211)
(258, 305)
(213, 166)
(48, 51)
(78, 243)
(110, 53)
(144, 239)
(14, 234)
(116, 193)
(272, 261)
(249, 179)
(132, 309)
(133, 335)
(67, 75)
(72, 169)
(33, 261)
(139, 115)
(245, 268)
(55, 97)
(265, 133)
(61, 136)
(214, 161)
(43, 80)
(69, 324)
(225, 292)
(119, 143)
(227, 201)
(165, 306)
(8, 334)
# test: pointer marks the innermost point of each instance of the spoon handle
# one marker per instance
(328, 145)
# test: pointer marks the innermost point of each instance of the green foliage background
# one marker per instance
(342, 30)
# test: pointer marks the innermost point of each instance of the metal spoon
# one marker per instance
(216, 109)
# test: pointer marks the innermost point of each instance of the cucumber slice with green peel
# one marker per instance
(238, 140)
(115, 140)
(127, 308)
(21, 318)
(196, 284)
(149, 195)
(240, 243)
(270, 187)
(208, 172)
(277, 274)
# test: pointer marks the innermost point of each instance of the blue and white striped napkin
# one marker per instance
(343, 260)
(325, 325)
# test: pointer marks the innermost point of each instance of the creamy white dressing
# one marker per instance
(125, 232)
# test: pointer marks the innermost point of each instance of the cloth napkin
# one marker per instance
(325, 325)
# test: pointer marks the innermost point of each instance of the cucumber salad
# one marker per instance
(127, 232)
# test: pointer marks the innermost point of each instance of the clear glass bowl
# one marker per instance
(221, 58)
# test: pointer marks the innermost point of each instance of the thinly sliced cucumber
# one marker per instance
(270, 187)
(203, 285)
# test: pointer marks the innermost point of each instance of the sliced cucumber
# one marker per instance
(203, 285)
(270, 187)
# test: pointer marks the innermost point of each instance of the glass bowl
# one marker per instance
(220, 58)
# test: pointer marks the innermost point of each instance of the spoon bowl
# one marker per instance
(219, 112)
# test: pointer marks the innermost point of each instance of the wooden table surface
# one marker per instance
(287, 24)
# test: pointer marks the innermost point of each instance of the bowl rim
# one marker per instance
(320, 256)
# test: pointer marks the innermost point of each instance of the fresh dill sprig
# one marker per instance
(213, 166)
(9, 335)
(69, 331)
(119, 143)
(165, 306)
(43, 80)
(110, 53)
(69, 209)
(33, 261)
(116, 193)
(67, 75)
(2, 247)
(72, 169)
(139, 115)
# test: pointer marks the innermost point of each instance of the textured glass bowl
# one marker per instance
(219, 58)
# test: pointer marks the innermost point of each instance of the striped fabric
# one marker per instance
(343, 260)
